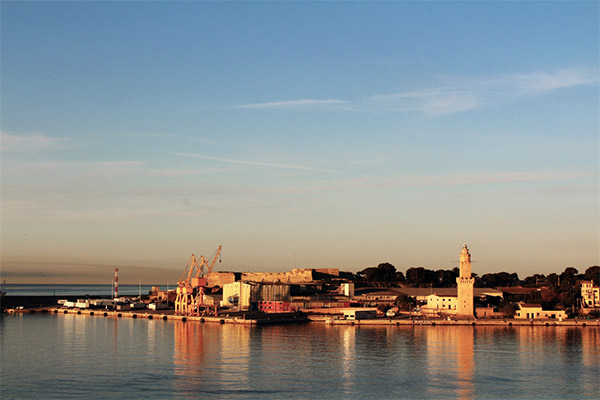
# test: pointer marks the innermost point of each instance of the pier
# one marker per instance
(257, 318)
(241, 318)
(465, 322)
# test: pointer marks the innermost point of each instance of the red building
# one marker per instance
(275, 306)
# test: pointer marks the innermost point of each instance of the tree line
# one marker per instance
(554, 290)
(423, 277)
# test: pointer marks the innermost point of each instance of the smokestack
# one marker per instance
(116, 293)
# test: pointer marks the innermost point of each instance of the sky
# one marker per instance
(297, 135)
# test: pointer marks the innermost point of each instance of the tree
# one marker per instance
(400, 276)
(549, 298)
(535, 280)
(508, 309)
(420, 276)
(387, 272)
(566, 299)
(445, 278)
(592, 274)
(405, 303)
(369, 274)
(384, 272)
(568, 275)
(499, 279)
(553, 280)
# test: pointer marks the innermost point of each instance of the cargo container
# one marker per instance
(158, 306)
(358, 313)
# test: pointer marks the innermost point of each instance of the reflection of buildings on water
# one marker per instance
(590, 351)
(232, 354)
(465, 363)
(590, 340)
(188, 345)
(188, 358)
(210, 357)
(451, 360)
(348, 358)
(348, 343)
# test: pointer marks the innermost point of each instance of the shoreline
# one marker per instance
(285, 318)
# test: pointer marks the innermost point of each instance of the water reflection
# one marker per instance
(348, 339)
(451, 362)
(466, 365)
(575, 350)
(228, 361)
(168, 359)
(188, 356)
(211, 358)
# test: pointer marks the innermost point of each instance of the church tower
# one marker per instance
(465, 285)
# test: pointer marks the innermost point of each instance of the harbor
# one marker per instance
(327, 296)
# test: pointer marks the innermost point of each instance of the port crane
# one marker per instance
(193, 284)
(201, 283)
(185, 291)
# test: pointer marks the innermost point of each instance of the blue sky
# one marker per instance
(318, 134)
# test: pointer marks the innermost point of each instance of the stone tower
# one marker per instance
(465, 285)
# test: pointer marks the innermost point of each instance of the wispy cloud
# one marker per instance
(433, 101)
(453, 94)
(30, 143)
(541, 82)
(180, 172)
(300, 104)
(257, 163)
(463, 94)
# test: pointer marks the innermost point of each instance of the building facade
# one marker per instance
(246, 295)
(535, 311)
(590, 294)
(436, 303)
(464, 285)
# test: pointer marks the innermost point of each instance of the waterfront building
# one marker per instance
(360, 313)
(246, 295)
(268, 306)
(421, 294)
(535, 311)
(590, 295)
(347, 289)
(444, 304)
(465, 285)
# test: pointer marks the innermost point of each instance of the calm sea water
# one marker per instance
(73, 356)
(16, 289)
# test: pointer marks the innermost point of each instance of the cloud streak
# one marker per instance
(30, 143)
(453, 95)
(302, 104)
(257, 163)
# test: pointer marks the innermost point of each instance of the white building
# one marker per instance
(535, 311)
(360, 313)
(445, 304)
(590, 294)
